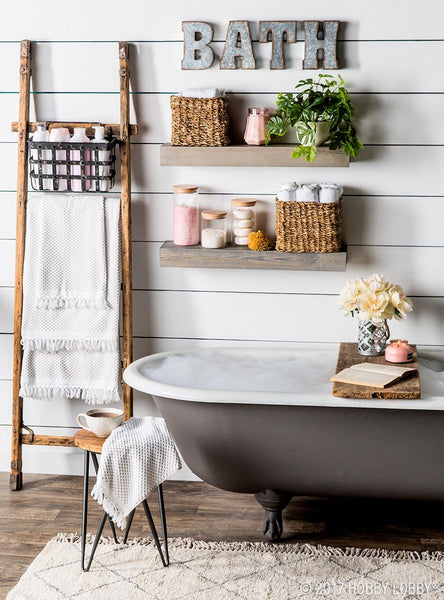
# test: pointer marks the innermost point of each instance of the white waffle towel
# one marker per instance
(136, 458)
(70, 266)
(72, 350)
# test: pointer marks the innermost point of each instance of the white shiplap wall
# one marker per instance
(394, 208)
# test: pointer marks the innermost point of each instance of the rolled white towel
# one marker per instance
(287, 191)
(308, 193)
(329, 192)
(202, 93)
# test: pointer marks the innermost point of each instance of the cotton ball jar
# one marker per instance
(243, 220)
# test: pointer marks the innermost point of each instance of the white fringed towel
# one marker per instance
(136, 458)
(72, 351)
(71, 266)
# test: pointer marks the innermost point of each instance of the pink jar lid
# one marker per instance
(258, 111)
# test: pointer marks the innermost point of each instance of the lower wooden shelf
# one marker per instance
(234, 257)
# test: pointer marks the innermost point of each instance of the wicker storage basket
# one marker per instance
(308, 226)
(199, 121)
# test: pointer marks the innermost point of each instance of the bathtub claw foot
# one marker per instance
(274, 502)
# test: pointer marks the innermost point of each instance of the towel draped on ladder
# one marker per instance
(71, 292)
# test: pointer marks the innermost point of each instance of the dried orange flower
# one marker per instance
(257, 240)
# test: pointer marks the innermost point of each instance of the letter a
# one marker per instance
(238, 45)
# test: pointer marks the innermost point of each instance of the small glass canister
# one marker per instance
(243, 220)
(186, 215)
(214, 229)
(256, 126)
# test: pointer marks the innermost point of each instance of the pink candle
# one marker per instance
(186, 225)
(398, 351)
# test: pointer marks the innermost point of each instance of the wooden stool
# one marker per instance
(92, 445)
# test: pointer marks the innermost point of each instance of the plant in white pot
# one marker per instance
(320, 111)
(374, 300)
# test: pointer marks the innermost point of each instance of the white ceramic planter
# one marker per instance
(291, 137)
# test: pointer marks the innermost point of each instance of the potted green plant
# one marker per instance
(319, 111)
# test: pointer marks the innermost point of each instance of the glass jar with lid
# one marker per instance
(256, 126)
(243, 220)
(186, 215)
(214, 229)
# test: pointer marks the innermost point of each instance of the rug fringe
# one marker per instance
(301, 549)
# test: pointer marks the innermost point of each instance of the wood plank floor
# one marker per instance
(48, 504)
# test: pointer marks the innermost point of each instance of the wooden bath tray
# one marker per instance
(408, 388)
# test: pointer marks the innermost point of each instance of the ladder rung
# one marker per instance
(48, 440)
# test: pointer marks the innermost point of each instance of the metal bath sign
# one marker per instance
(320, 44)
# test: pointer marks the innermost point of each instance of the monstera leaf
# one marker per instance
(306, 132)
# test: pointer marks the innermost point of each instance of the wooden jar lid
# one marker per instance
(185, 188)
(213, 214)
(243, 202)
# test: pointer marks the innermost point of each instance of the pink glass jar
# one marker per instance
(186, 215)
(256, 126)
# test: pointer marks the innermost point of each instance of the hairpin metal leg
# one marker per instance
(96, 541)
(154, 532)
(128, 526)
(96, 467)
(84, 505)
(163, 522)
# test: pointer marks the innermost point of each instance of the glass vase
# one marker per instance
(372, 339)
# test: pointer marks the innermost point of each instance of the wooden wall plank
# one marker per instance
(362, 21)
(381, 170)
(368, 66)
(414, 267)
(44, 459)
(381, 118)
(367, 220)
(238, 316)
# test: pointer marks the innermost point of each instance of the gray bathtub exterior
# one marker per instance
(306, 450)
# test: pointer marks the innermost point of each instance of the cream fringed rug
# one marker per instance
(220, 571)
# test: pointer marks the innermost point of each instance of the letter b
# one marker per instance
(197, 54)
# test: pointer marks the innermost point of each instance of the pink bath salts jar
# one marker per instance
(256, 126)
(186, 215)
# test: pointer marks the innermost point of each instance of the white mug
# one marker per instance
(101, 421)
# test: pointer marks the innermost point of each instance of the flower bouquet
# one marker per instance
(374, 300)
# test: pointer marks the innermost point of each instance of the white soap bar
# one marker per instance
(243, 222)
(242, 231)
(243, 213)
(213, 238)
(241, 241)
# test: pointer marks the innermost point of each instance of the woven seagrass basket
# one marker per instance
(308, 226)
(199, 121)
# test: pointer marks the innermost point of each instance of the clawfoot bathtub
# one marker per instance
(242, 430)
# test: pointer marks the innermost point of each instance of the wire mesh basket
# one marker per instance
(72, 166)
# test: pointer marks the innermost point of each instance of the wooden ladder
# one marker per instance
(23, 127)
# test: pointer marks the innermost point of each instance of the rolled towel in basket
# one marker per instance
(202, 93)
(308, 193)
(287, 191)
(329, 192)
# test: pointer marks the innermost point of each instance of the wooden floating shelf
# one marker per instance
(233, 257)
(247, 156)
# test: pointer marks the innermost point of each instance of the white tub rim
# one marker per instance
(135, 379)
